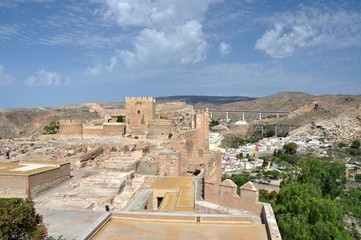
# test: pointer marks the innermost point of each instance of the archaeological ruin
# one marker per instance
(154, 169)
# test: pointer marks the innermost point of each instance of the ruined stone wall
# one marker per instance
(199, 186)
(71, 128)
(140, 152)
(13, 186)
(148, 167)
(92, 131)
(160, 129)
(212, 178)
(202, 126)
(41, 181)
(123, 164)
(168, 163)
(114, 129)
(191, 158)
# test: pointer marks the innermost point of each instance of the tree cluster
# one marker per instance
(232, 141)
(213, 123)
(308, 205)
(18, 220)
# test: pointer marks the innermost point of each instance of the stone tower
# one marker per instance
(202, 125)
(139, 112)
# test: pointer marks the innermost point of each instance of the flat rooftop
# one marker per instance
(180, 196)
(163, 229)
(28, 168)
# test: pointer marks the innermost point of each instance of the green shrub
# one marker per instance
(290, 148)
(358, 177)
(120, 119)
(18, 220)
(52, 128)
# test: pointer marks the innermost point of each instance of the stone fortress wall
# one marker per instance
(71, 128)
(76, 128)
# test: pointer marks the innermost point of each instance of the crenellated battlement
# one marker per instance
(140, 99)
(70, 122)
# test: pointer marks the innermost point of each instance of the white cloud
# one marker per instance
(99, 68)
(169, 32)
(278, 44)
(310, 27)
(155, 13)
(224, 49)
(7, 32)
(14, 3)
(45, 78)
(183, 45)
(5, 79)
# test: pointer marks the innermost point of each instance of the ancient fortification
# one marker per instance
(170, 159)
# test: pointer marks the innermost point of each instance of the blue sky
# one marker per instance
(54, 53)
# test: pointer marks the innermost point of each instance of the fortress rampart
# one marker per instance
(76, 128)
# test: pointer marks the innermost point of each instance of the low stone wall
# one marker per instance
(269, 219)
(23, 186)
(124, 164)
(93, 131)
(14, 186)
(161, 217)
(44, 180)
(199, 186)
(148, 167)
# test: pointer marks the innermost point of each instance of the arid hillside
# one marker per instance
(333, 117)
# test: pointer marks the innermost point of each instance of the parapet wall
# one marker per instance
(190, 218)
(247, 200)
(269, 219)
(225, 193)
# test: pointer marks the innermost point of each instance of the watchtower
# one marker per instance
(139, 112)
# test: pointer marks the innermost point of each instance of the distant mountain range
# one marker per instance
(194, 99)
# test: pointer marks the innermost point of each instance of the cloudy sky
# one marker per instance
(54, 53)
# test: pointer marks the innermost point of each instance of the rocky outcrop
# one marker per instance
(329, 122)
